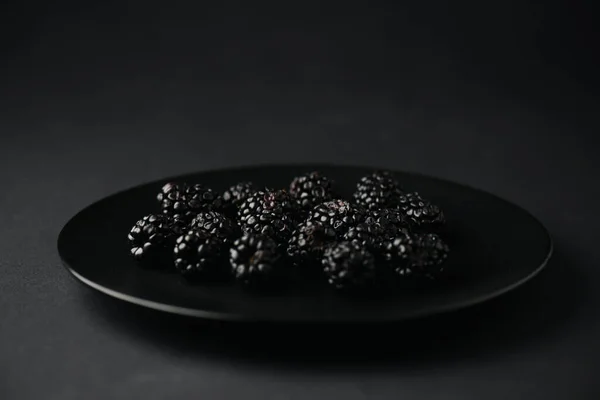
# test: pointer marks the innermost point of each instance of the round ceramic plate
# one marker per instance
(496, 246)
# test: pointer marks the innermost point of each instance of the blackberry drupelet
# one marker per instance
(170, 187)
(215, 223)
(349, 266)
(311, 189)
(338, 214)
(263, 213)
(378, 190)
(308, 243)
(429, 254)
(199, 255)
(256, 260)
(422, 215)
(151, 240)
(180, 200)
(235, 195)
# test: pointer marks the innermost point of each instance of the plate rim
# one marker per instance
(232, 316)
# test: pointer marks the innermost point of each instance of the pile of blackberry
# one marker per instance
(262, 237)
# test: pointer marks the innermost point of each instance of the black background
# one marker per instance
(95, 98)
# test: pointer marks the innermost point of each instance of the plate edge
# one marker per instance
(190, 312)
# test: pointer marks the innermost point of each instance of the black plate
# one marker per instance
(496, 246)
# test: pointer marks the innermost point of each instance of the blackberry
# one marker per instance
(421, 214)
(152, 238)
(311, 189)
(251, 206)
(429, 254)
(338, 214)
(235, 195)
(308, 243)
(215, 224)
(197, 254)
(263, 213)
(280, 202)
(180, 200)
(378, 190)
(349, 266)
(277, 227)
(398, 254)
(417, 255)
(366, 234)
(255, 260)
(391, 222)
(257, 204)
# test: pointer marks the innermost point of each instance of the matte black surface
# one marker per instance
(496, 246)
(96, 97)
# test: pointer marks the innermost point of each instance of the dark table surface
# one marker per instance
(95, 99)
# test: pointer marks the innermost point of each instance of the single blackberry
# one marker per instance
(398, 254)
(262, 213)
(171, 199)
(251, 206)
(180, 200)
(235, 195)
(216, 224)
(349, 266)
(308, 243)
(277, 227)
(255, 260)
(367, 234)
(338, 214)
(378, 190)
(198, 254)
(255, 205)
(151, 239)
(280, 202)
(429, 254)
(417, 255)
(311, 189)
(421, 214)
(391, 222)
